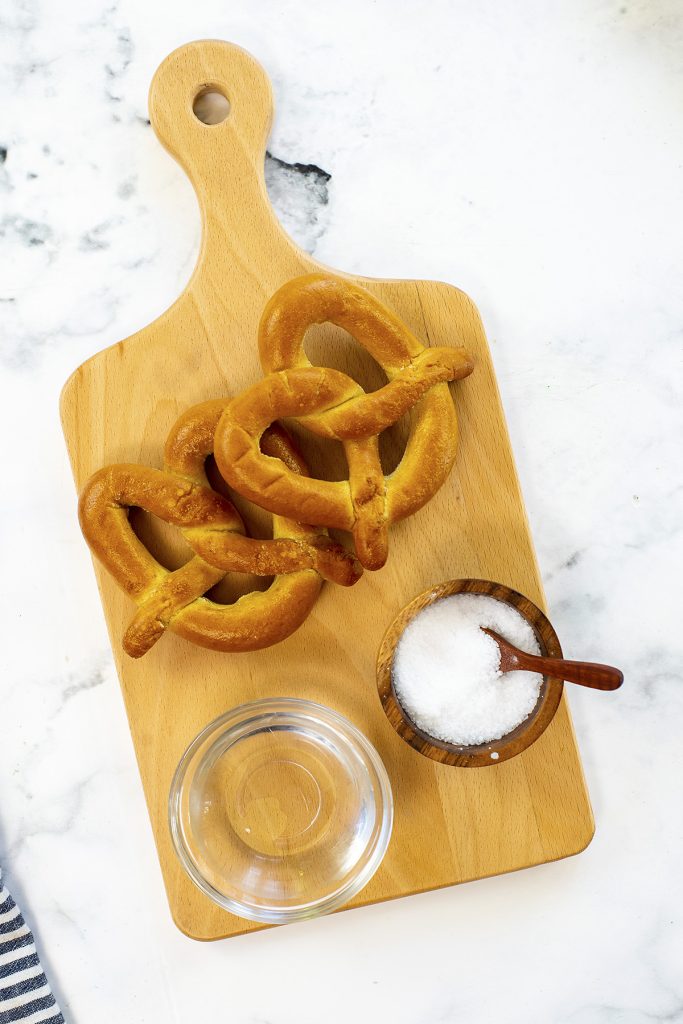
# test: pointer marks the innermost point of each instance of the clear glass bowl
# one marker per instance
(281, 810)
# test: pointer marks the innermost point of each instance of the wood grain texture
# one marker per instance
(450, 825)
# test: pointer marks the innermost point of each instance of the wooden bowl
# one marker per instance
(486, 753)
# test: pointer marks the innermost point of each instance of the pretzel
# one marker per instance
(333, 405)
(298, 556)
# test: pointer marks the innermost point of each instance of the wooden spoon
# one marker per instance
(585, 673)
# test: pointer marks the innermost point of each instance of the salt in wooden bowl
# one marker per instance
(485, 754)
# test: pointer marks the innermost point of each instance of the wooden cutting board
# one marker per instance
(451, 824)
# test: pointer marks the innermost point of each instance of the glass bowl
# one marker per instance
(280, 810)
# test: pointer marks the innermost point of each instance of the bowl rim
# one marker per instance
(384, 803)
(484, 754)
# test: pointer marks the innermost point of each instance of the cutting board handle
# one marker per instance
(225, 162)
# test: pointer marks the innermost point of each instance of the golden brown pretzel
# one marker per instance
(333, 405)
(298, 556)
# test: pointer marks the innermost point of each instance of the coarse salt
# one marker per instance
(446, 671)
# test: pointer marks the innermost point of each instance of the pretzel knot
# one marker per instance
(298, 556)
(333, 405)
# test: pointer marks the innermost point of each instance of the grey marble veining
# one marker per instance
(530, 154)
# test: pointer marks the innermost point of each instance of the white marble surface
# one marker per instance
(532, 154)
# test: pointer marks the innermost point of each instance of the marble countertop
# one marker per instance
(530, 153)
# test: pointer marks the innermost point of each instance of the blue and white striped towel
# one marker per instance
(24, 991)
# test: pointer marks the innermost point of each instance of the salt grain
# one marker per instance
(447, 674)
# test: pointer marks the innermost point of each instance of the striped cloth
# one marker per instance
(24, 992)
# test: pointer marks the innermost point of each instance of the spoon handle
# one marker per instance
(585, 673)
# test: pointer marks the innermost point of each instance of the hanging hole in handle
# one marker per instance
(211, 106)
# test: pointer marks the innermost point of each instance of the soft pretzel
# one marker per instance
(333, 405)
(298, 556)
